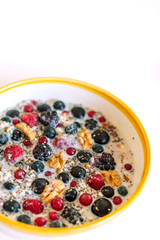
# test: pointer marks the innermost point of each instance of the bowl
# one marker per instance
(118, 112)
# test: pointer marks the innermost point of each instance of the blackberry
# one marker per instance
(49, 132)
(59, 105)
(24, 219)
(6, 119)
(11, 206)
(105, 162)
(49, 118)
(64, 177)
(78, 112)
(91, 124)
(70, 194)
(100, 136)
(12, 113)
(39, 184)
(43, 107)
(37, 166)
(3, 139)
(71, 129)
(42, 152)
(8, 185)
(97, 148)
(84, 156)
(16, 135)
(122, 191)
(72, 215)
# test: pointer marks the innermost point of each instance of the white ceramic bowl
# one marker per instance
(120, 115)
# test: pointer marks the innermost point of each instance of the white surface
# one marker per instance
(113, 44)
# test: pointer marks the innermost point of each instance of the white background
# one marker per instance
(113, 44)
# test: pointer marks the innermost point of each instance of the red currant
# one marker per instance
(20, 174)
(73, 184)
(48, 173)
(91, 113)
(85, 199)
(15, 121)
(102, 119)
(28, 108)
(57, 204)
(40, 221)
(43, 140)
(128, 166)
(53, 216)
(117, 200)
(27, 143)
(71, 151)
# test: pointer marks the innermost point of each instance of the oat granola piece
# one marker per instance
(85, 138)
(54, 189)
(112, 177)
(27, 131)
(57, 161)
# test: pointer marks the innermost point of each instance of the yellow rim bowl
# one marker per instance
(33, 230)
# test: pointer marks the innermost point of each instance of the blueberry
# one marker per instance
(122, 191)
(11, 206)
(6, 119)
(71, 129)
(49, 132)
(3, 138)
(39, 184)
(91, 124)
(16, 135)
(78, 172)
(24, 219)
(78, 124)
(78, 112)
(108, 191)
(97, 148)
(8, 185)
(72, 215)
(70, 194)
(101, 207)
(43, 107)
(12, 113)
(42, 152)
(64, 177)
(37, 166)
(1, 151)
(49, 118)
(100, 136)
(84, 156)
(56, 224)
(59, 105)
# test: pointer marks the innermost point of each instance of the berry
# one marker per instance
(66, 112)
(6, 119)
(106, 162)
(47, 173)
(39, 184)
(71, 129)
(91, 113)
(33, 205)
(73, 184)
(64, 177)
(43, 107)
(101, 207)
(56, 224)
(59, 105)
(78, 172)
(102, 119)
(122, 191)
(8, 185)
(24, 219)
(107, 191)
(3, 138)
(85, 199)
(43, 140)
(100, 136)
(49, 118)
(11, 206)
(57, 204)
(117, 200)
(60, 125)
(97, 148)
(70, 194)
(72, 215)
(12, 113)
(53, 216)
(71, 151)
(15, 121)
(128, 166)
(84, 156)
(34, 102)
(91, 124)
(14, 153)
(31, 119)
(78, 112)
(78, 124)
(28, 108)
(16, 135)
(40, 221)
(42, 152)
(37, 166)
(64, 141)
(49, 132)
(20, 174)
(96, 181)
(27, 143)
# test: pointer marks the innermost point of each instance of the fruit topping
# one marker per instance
(117, 200)
(49, 132)
(71, 129)
(59, 105)
(14, 153)
(91, 124)
(12, 113)
(105, 162)
(78, 112)
(96, 182)
(56, 224)
(38, 185)
(107, 191)
(33, 205)
(42, 152)
(101, 207)
(16, 135)
(64, 141)
(8, 185)
(71, 151)
(11, 206)
(43, 107)
(72, 215)
(3, 138)
(40, 221)
(57, 204)
(53, 216)
(70, 194)
(28, 108)
(20, 174)
(24, 219)
(97, 148)
(31, 119)
(64, 177)
(37, 166)
(100, 136)
(84, 156)
(85, 199)
(49, 118)
(78, 172)
(122, 191)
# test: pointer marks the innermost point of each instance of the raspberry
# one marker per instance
(64, 141)
(53, 216)
(85, 199)
(91, 113)
(71, 151)
(20, 174)
(57, 204)
(31, 119)
(33, 205)
(102, 119)
(117, 200)
(40, 221)
(96, 181)
(43, 140)
(14, 153)
(15, 121)
(28, 108)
